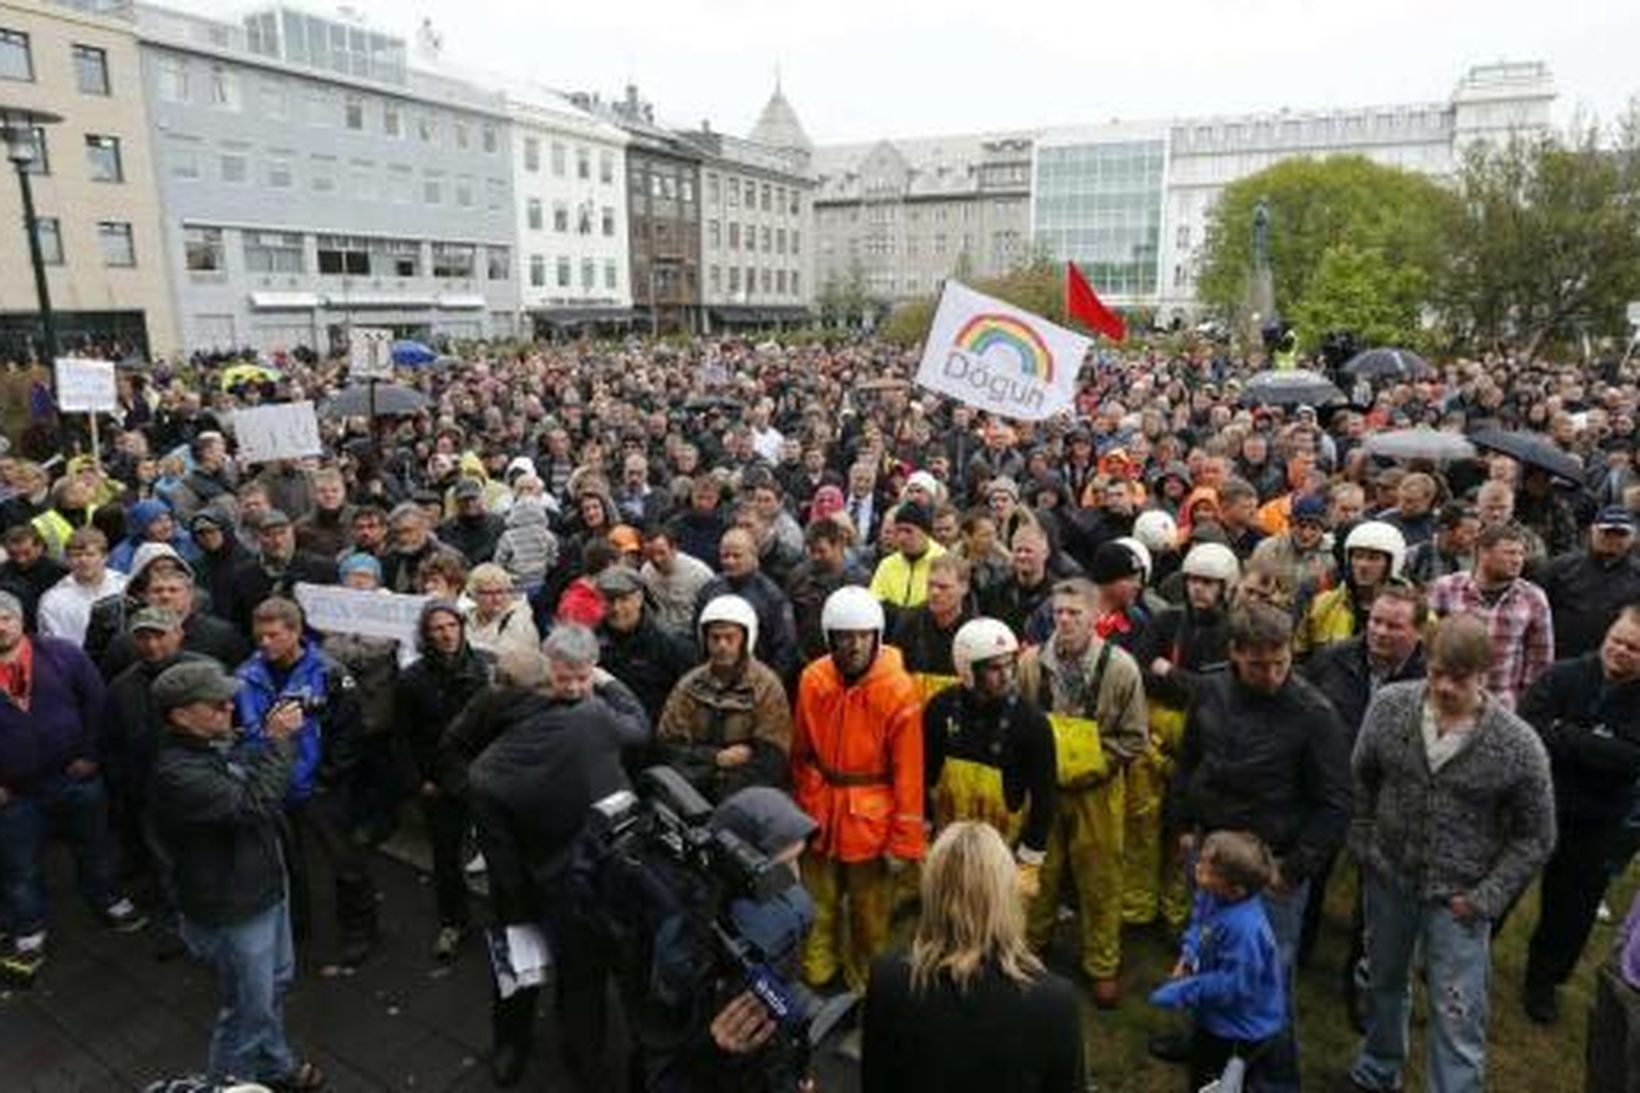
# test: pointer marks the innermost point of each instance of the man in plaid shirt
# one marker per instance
(1516, 611)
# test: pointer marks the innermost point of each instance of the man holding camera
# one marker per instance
(857, 769)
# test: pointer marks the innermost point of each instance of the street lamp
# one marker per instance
(17, 126)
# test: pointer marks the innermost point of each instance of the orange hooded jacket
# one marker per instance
(857, 760)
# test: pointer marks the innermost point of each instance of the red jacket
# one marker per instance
(857, 762)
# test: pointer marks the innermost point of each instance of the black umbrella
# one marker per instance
(1289, 387)
(1533, 450)
(387, 400)
(1387, 363)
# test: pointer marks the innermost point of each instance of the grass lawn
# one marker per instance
(1521, 1055)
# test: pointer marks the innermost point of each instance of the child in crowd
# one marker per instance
(1228, 974)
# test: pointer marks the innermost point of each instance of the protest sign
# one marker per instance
(85, 386)
(334, 609)
(1000, 358)
(288, 430)
(369, 354)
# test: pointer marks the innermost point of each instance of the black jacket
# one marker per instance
(1591, 729)
(776, 632)
(214, 574)
(217, 813)
(648, 660)
(132, 728)
(1585, 595)
(430, 694)
(923, 644)
(1276, 765)
(533, 786)
(1340, 671)
(1012, 736)
(28, 585)
(202, 633)
(474, 538)
(1194, 642)
(253, 583)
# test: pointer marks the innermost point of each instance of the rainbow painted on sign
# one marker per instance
(985, 332)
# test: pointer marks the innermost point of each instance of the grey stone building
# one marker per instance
(312, 180)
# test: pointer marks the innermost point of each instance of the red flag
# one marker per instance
(1084, 305)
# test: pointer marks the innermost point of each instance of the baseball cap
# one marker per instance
(153, 618)
(1615, 516)
(192, 681)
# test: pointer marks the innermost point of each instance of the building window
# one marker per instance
(795, 290)
(563, 271)
(767, 203)
(532, 154)
(583, 218)
(734, 235)
(392, 119)
(607, 216)
(274, 252)
(768, 280)
(715, 279)
(609, 274)
(686, 189)
(49, 231)
(279, 176)
(427, 128)
(559, 159)
(714, 234)
(396, 257)
(532, 214)
(91, 70)
(463, 137)
(235, 168)
(345, 255)
(606, 167)
(780, 241)
(589, 275)
(495, 193)
(454, 261)
(1182, 238)
(183, 161)
(487, 136)
(538, 271)
(102, 156)
(734, 280)
(583, 164)
(780, 281)
(202, 249)
(432, 190)
(763, 241)
(714, 191)
(751, 238)
(751, 277)
(795, 248)
(353, 112)
(16, 61)
(322, 175)
(172, 79)
(222, 90)
(464, 192)
(734, 193)
(498, 263)
(560, 216)
(118, 249)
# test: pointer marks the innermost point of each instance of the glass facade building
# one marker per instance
(1099, 203)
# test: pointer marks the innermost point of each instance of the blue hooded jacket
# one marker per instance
(138, 520)
(326, 742)
(1234, 986)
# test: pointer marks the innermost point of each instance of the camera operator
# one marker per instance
(708, 918)
(531, 791)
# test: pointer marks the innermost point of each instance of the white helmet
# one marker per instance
(1379, 536)
(977, 640)
(730, 609)
(851, 608)
(1213, 562)
(1141, 552)
(1156, 530)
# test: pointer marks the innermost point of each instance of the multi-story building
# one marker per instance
(756, 222)
(663, 213)
(1130, 202)
(570, 190)
(902, 215)
(312, 181)
(92, 178)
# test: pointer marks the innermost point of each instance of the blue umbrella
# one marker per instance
(412, 354)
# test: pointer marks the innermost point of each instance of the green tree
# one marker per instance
(1547, 243)
(1358, 289)
(1314, 205)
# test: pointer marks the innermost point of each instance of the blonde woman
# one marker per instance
(499, 619)
(969, 1007)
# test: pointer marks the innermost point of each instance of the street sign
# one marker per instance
(1634, 313)
(85, 386)
(370, 354)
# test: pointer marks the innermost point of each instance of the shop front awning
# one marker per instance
(284, 301)
(462, 302)
(760, 316)
(583, 316)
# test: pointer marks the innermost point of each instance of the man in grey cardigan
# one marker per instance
(1454, 815)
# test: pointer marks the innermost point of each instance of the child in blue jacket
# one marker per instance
(1228, 975)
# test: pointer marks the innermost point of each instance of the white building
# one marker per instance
(569, 186)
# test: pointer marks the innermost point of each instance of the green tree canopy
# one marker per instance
(1388, 217)
(1358, 289)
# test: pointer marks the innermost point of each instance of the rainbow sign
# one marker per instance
(988, 331)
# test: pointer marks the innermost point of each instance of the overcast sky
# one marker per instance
(859, 69)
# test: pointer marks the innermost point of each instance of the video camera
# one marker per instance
(663, 871)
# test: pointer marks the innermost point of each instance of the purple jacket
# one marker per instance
(61, 722)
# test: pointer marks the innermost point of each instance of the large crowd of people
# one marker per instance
(1177, 650)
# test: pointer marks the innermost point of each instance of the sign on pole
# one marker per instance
(334, 609)
(1000, 358)
(369, 354)
(85, 386)
(288, 430)
(1634, 313)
